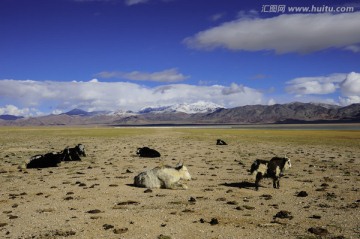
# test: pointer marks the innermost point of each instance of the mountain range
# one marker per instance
(199, 113)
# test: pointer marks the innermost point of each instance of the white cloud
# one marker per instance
(302, 33)
(348, 85)
(271, 102)
(350, 89)
(349, 100)
(315, 85)
(353, 48)
(134, 2)
(252, 14)
(217, 16)
(351, 85)
(233, 89)
(13, 110)
(168, 75)
(96, 95)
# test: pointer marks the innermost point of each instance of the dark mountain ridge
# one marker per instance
(250, 114)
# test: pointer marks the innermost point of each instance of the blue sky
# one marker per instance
(56, 55)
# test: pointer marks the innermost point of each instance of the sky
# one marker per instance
(118, 55)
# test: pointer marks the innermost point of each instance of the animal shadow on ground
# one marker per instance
(242, 184)
(131, 185)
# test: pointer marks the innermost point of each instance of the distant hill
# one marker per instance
(10, 117)
(80, 112)
(282, 113)
(200, 114)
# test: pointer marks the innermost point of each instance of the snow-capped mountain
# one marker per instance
(193, 108)
(199, 113)
(124, 113)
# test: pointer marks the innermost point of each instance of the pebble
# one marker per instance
(318, 231)
(284, 214)
(94, 211)
(266, 196)
(316, 217)
(3, 224)
(107, 226)
(302, 194)
(120, 230)
(249, 207)
(192, 199)
(163, 237)
(214, 221)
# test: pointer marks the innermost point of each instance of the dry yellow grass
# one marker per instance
(95, 198)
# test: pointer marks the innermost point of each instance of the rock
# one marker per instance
(129, 202)
(232, 203)
(249, 207)
(107, 226)
(120, 230)
(148, 190)
(302, 194)
(59, 233)
(221, 199)
(324, 205)
(266, 196)
(330, 196)
(316, 216)
(192, 199)
(94, 211)
(318, 231)
(188, 210)
(284, 214)
(163, 237)
(214, 221)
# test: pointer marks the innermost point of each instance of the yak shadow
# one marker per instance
(242, 184)
(131, 185)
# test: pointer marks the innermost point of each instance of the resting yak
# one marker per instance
(73, 154)
(147, 152)
(55, 158)
(220, 142)
(163, 177)
(45, 161)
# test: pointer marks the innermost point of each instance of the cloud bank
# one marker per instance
(94, 95)
(168, 75)
(315, 85)
(347, 84)
(301, 33)
(32, 98)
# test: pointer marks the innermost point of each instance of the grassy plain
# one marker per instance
(95, 198)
